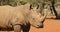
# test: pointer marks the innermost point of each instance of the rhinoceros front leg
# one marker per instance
(17, 28)
(26, 28)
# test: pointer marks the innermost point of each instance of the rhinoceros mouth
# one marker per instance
(39, 26)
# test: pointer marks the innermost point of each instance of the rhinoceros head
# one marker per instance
(36, 19)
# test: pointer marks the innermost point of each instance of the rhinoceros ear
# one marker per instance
(27, 5)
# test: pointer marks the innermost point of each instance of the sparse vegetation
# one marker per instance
(19, 2)
(33, 2)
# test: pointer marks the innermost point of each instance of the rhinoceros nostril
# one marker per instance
(38, 25)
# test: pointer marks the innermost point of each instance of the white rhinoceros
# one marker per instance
(20, 18)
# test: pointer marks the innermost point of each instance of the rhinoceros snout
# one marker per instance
(40, 25)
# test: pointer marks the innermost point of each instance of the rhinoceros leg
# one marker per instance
(26, 28)
(17, 28)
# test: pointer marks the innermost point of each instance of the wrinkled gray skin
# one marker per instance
(20, 18)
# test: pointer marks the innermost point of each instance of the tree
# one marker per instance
(53, 2)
